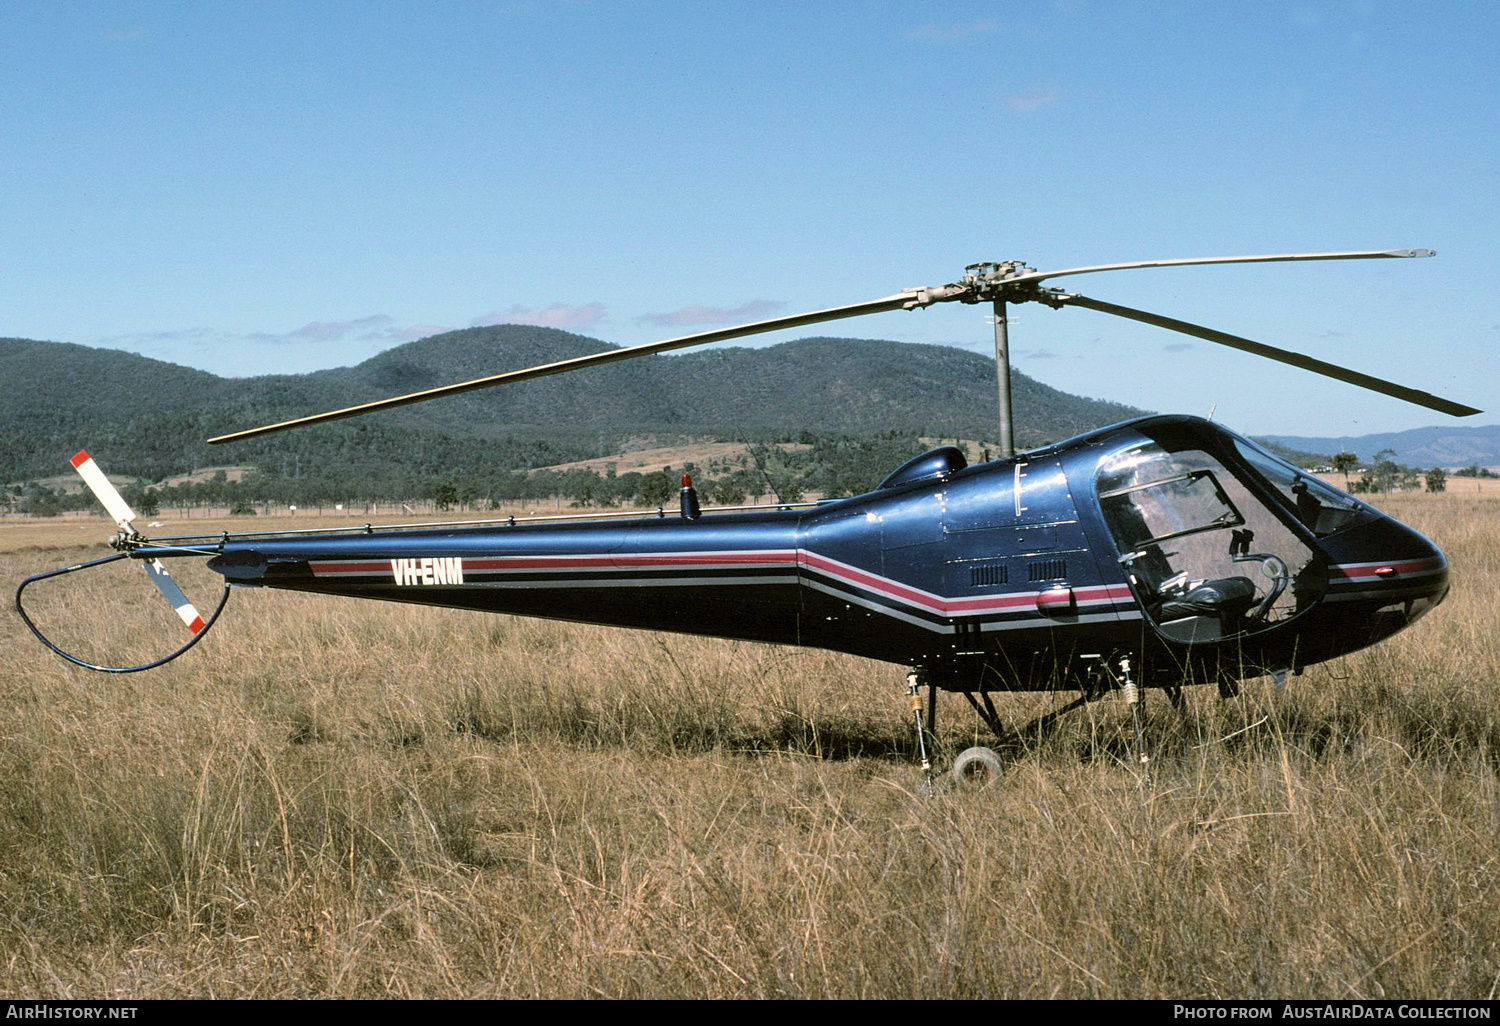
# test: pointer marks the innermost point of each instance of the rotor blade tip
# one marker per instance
(80, 459)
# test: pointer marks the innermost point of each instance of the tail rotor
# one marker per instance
(129, 538)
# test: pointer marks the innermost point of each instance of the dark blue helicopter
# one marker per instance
(1158, 552)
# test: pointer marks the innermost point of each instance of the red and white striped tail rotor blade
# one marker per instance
(114, 503)
(184, 609)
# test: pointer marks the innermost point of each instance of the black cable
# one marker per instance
(95, 666)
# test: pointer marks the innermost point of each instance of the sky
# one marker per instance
(282, 187)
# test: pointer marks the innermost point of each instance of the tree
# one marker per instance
(726, 494)
(40, 501)
(145, 501)
(1344, 462)
(445, 496)
(656, 488)
(1437, 480)
(1384, 471)
(582, 491)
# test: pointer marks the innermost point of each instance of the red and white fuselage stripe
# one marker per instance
(763, 559)
(1021, 601)
(1100, 596)
(744, 560)
(1366, 573)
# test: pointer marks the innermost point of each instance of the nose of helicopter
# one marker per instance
(1385, 575)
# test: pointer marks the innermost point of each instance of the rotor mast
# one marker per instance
(981, 280)
(1002, 381)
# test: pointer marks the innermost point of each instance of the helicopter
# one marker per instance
(1156, 553)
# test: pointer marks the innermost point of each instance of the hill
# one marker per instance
(1420, 447)
(147, 418)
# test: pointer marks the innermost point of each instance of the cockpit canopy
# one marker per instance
(1211, 545)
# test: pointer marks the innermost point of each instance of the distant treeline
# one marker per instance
(1384, 474)
(824, 466)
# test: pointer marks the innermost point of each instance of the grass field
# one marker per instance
(330, 798)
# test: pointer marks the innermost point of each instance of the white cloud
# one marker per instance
(693, 315)
(364, 329)
(313, 346)
(556, 315)
(1030, 99)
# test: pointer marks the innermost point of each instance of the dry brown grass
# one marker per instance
(356, 800)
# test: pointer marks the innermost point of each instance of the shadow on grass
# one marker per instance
(1430, 728)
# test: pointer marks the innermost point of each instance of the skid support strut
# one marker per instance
(987, 714)
(1033, 731)
(913, 683)
(1133, 698)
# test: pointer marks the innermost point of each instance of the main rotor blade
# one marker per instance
(899, 301)
(973, 288)
(1331, 370)
(1375, 254)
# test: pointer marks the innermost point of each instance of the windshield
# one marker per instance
(1320, 506)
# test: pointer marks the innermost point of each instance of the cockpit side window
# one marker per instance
(1179, 505)
(1207, 557)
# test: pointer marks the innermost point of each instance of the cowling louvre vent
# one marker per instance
(988, 576)
(1047, 570)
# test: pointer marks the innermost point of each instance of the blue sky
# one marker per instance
(254, 188)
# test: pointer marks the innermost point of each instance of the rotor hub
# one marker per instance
(997, 280)
(995, 271)
(127, 540)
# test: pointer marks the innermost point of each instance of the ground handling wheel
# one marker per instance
(976, 768)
